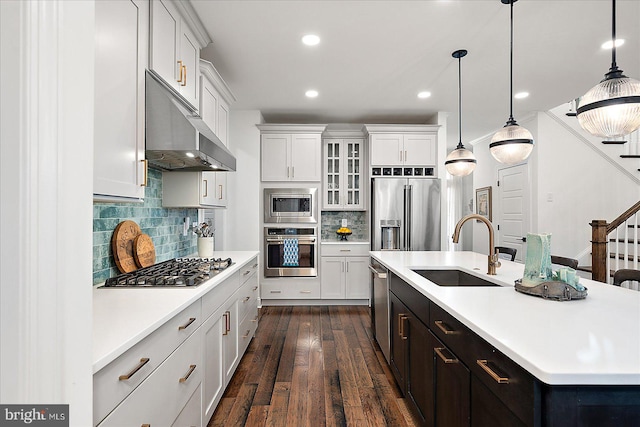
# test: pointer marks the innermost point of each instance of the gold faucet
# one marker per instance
(493, 262)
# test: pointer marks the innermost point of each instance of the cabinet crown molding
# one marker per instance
(400, 128)
(210, 72)
(290, 128)
(189, 14)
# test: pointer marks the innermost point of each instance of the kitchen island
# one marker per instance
(582, 356)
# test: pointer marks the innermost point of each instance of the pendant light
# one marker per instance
(612, 108)
(512, 144)
(460, 162)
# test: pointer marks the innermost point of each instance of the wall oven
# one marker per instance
(290, 252)
(290, 205)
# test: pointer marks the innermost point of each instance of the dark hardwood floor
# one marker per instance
(313, 366)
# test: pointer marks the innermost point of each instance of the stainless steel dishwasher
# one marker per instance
(380, 305)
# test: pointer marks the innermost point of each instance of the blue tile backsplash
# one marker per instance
(163, 225)
(356, 221)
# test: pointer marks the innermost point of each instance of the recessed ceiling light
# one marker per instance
(609, 44)
(521, 95)
(311, 93)
(311, 40)
(423, 95)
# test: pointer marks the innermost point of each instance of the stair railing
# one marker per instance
(624, 233)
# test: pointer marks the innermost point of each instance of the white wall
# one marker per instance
(582, 185)
(241, 225)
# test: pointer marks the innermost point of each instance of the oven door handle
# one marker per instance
(300, 240)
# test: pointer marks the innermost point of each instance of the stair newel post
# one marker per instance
(599, 250)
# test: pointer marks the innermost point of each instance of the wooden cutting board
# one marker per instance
(122, 245)
(144, 252)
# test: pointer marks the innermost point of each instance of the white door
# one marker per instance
(275, 157)
(213, 382)
(165, 25)
(306, 152)
(387, 150)
(190, 57)
(513, 208)
(358, 278)
(209, 104)
(419, 150)
(332, 279)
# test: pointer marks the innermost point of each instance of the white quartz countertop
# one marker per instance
(122, 317)
(582, 342)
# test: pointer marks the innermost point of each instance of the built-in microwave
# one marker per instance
(290, 205)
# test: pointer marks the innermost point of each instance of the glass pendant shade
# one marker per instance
(460, 162)
(512, 144)
(612, 108)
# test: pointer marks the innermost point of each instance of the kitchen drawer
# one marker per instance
(191, 415)
(414, 300)
(140, 360)
(248, 295)
(344, 249)
(250, 268)
(247, 329)
(280, 289)
(163, 395)
(213, 299)
(487, 363)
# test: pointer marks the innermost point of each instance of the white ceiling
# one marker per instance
(375, 56)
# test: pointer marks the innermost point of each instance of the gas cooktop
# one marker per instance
(177, 272)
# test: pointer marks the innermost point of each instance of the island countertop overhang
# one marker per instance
(595, 341)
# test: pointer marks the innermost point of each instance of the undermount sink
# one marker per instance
(453, 278)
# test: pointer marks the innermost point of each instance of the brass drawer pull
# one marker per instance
(276, 292)
(402, 317)
(305, 292)
(226, 323)
(143, 362)
(255, 288)
(254, 265)
(246, 272)
(440, 352)
(145, 179)
(484, 364)
(145, 425)
(186, 325)
(184, 83)
(181, 71)
(255, 320)
(445, 328)
(186, 377)
(246, 334)
(246, 299)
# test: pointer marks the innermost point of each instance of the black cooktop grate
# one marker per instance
(177, 272)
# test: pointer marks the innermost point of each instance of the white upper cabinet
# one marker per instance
(291, 152)
(194, 189)
(343, 181)
(402, 145)
(175, 50)
(122, 29)
(215, 99)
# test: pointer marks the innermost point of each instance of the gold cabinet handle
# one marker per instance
(186, 377)
(255, 319)
(145, 425)
(184, 83)
(246, 299)
(276, 292)
(180, 67)
(186, 325)
(146, 172)
(143, 362)
(484, 364)
(246, 334)
(401, 318)
(220, 188)
(445, 328)
(254, 265)
(440, 352)
(206, 188)
(255, 288)
(246, 272)
(226, 323)
(305, 292)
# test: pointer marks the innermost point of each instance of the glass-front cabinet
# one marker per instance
(343, 179)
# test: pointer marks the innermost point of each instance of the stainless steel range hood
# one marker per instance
(177, 139)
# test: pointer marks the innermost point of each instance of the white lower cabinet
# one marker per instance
(190, 415)
(163, 395)
(182, 388)
(344, 271)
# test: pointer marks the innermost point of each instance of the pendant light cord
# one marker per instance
(614, 66)
(511, 120)
(460, 102)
